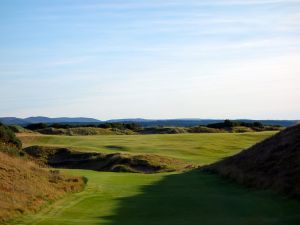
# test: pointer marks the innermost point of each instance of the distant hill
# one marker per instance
(12, 120)
(140, 121)
(132, 120)
(40, 119)
(273, 163)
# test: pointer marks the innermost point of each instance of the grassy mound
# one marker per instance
(25, 188)
(203, 129)
(131, 128)
(193, 148)
(83, 131)
(163, 130)
(19, 129)
(273, 163)
(117, 162)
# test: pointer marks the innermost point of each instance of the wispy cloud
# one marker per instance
(152, 55)
(125, 5)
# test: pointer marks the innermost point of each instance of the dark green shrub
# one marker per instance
(8, 137)
(36, 126)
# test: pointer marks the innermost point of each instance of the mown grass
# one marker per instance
(166, 199)
(188, 198)
(193, 148)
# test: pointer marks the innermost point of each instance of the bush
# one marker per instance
(228, 124)
(8, 137)
(36, 126)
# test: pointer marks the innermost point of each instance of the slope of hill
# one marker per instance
(61, 120)
(24, 186)
(41, 119)
(12, 121)
(273, 164)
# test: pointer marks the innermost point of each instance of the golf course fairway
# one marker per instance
(189, 198)
(181, 198)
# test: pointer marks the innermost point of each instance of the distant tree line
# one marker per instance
(230, 124)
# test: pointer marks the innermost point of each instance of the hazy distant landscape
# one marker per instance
(128, 112)
(142, 122)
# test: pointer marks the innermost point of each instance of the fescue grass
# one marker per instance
(25, 188)
(193, 148)
(271, 164)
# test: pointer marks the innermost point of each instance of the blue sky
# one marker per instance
(151, 59)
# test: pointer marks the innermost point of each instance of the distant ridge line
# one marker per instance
(144, 122)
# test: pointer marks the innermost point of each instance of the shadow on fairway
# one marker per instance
(196, 198)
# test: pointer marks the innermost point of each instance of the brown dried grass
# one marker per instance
(25, 187)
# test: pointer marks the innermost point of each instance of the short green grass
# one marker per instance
(189, 198)
(195, 148)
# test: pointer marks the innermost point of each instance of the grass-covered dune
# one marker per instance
(80, 131)
(115, 162)
(193, 148)
(70, 129)
(24, 186)
(273, 164)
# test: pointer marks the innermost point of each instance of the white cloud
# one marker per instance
(125, 5)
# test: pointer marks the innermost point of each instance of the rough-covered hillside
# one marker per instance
(24, 186)
(272, 164)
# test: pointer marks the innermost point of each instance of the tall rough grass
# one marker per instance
(25, 187)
